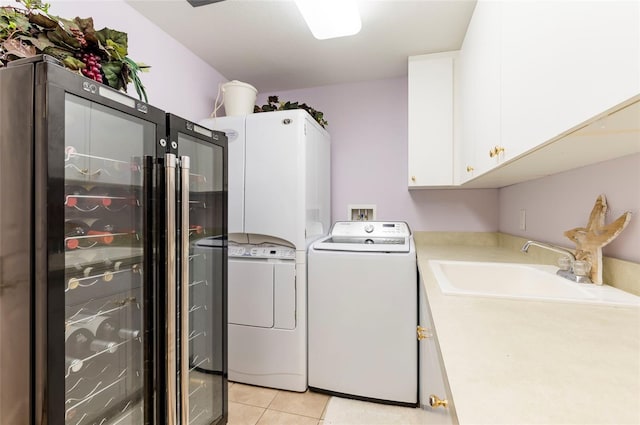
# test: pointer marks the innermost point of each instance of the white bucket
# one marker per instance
(238, 98)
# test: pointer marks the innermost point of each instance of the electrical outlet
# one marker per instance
(523, 219)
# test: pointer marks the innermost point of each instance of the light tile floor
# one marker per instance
(250, 405)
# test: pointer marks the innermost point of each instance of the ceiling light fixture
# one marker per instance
(330, 18)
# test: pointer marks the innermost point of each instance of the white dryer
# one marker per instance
(363, 312)
(266, 343)
(279, 202)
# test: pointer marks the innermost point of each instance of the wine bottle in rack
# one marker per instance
(121, 198)
(126, 334)
(102, 326)
(99, 196)
(101, 231)
(105, 330)
(195, 229)
(73, 364)
(100, 346)
(74, 231)
(77, 341)
(75, 196)
(88, 275)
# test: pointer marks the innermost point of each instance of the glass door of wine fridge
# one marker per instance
(113, 250)
(96, 283)
(104, 261)
(201, 158)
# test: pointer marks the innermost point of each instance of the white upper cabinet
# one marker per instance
(430, 150)
(564, 62)
(480, 91)
(529, 76)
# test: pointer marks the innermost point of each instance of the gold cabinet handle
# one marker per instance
(423, 333)
(470, 169)
(435, 402)
(413, 178)
(497, 150)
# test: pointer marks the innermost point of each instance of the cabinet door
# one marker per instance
(563, 63)
(480, 90)
(430, 148)
(431, 377)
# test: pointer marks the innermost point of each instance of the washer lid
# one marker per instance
(370, 229)
(364, 244)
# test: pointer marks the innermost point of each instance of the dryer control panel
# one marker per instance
(261, 251)
(377, 229)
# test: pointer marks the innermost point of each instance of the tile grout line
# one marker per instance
(270, 408)
(295, 414)
(324, 411)
(299, 414)
(274, 397)
(260, 417)
(267, 408)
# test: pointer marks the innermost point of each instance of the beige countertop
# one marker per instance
(533, 362)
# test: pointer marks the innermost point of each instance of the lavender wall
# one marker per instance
(563, 201)
(178, 81)
(368, 126)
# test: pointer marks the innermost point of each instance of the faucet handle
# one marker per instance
(564, 263)
(581, 268)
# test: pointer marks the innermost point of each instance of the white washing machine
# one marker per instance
(363, 312)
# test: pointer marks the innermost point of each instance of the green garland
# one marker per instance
(100, 55)
(275, 105)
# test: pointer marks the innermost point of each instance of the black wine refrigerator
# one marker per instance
(113, 253)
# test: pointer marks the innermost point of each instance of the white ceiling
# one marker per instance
(266, 42)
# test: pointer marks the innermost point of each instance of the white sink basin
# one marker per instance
(525, 281)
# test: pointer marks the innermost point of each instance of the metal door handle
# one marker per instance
(185, 165)
(170, 307)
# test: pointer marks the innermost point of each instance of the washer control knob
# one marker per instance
(368, 228)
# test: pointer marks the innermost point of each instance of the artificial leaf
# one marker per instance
(124, 75)
(275, 105)
(116, 50)
(41, 43)
(63, 39)
(114, 41)
(112, 72)
(9, 18)
(18, 48)
(137, 83)
(33, 30)
(43, 20)
(35, 4)
(143, 67)
(6, 28)
(57, 52)
(73, 63)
